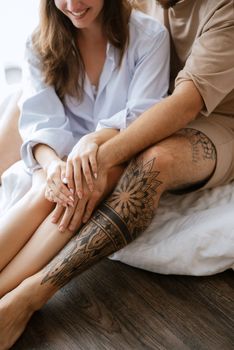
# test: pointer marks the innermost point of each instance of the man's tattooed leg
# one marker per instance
(119, 220)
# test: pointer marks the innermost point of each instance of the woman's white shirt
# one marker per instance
(122, 95)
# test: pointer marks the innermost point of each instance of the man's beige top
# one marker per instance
(203, 37)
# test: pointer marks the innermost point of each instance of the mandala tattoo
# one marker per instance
(119, 220)
(197, 140)
(134, 197)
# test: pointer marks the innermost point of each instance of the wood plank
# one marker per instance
(116, 307)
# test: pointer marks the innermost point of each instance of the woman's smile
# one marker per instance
(79, 14)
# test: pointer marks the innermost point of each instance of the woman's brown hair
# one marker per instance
(55, 42)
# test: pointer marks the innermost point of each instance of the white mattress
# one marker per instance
(191, 234)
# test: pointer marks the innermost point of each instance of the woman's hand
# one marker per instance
(82, 161)
(56, 190)
(73, 217)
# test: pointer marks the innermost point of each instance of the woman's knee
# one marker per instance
(36, 196)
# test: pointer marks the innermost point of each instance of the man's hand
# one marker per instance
(72, 217)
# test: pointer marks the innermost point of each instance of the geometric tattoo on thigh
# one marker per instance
(199, 140)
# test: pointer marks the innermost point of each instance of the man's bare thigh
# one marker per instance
(187, 159)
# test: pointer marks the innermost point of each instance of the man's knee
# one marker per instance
(182, 159)
(162, 158)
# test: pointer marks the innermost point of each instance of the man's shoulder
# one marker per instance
(219, 11)
(216, 5)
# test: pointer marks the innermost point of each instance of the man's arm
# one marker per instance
(159, 122)
(154, 125)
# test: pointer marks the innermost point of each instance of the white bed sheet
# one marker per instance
(190, 234)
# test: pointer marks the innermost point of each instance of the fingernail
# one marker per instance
(65, 180)
(71, 198)
(71, 228)
(53, 220)
(95, 175)
(71, 190)
(61, 228)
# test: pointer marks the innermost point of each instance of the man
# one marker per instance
(186, 143)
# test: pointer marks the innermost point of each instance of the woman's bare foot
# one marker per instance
(15, 312)
(17, 307)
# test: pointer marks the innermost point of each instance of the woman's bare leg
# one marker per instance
(36, 253)
(43, 245)
(21, 221)
(10, 140)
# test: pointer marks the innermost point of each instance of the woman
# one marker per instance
(93, 67)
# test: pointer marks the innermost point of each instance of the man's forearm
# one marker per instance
(103, 135)
(154, 125)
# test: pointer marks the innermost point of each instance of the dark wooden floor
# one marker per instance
(116, 307)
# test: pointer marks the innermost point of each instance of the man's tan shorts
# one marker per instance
(220, 130)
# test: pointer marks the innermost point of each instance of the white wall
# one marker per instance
(18, 18)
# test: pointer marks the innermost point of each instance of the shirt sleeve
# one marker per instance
(43, 119)
(210, 64)
(149, 83)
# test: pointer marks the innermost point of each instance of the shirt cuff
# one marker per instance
(118, 121)
(61, 143)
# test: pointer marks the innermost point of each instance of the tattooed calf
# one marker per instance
(119, 220)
